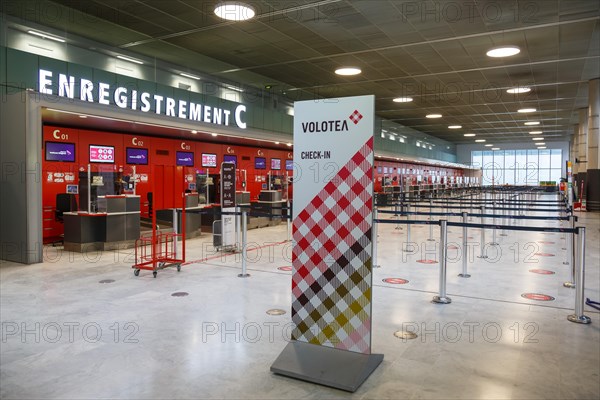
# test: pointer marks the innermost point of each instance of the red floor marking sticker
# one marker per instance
(544, 254)
(452, 247)
(537, 296)
(395, 281)
(284, 268)
(542, 271)
(545, 242)
(468, 237)
(427, 261)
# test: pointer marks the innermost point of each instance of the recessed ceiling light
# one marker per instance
(479, 140)
(504, 51)
(190, 76)
(535, 132)
(43, 35)
(518, 90)
(289, 144)
(539, 144)
(347, 71)
(214, 134)
(234, 11)
(194, 132)
(495, 148)
(542, 147)
(538, 138)
(527, 110)
(530, 123)
(469, 135)
(455, 127)
(433, 116)
(403, 99)
(83, 116)
(488, 145)
(133, 60)
(276, 142)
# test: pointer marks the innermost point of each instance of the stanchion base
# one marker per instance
(569, 285)
(441, 300)
(464, 275)
(398, 228)
(243, 275)
(579, 319)
(495, 244)
(431, 240)
(565, 263)
(482, 256)
(503, 234)
(376, 266)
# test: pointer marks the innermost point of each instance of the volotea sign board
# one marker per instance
(332, 221)
(228, 204)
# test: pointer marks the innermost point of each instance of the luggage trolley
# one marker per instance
(159, 250)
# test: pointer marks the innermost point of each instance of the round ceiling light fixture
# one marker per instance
(403, 99)
(234, 11)
(530, 123)
(504, 51)
(454, 126)
(469, 135)
(433, 116)
(535, 132)
(348, 71)
(527, 110)
(518, 90)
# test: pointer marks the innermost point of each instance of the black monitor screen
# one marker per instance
(275, 164)
(60, 151)
(209, 160)
(230, 158)
(136, 155)
(289, 165)
(260, 163)
(185, 158)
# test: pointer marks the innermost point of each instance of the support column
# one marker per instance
(593, 172)
(574, 150)
(582, 153)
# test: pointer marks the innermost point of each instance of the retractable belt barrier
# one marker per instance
(477, 215)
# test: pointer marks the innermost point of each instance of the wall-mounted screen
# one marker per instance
(230, 158)
(260, 163)
(102, 154)
(184, 158)
(209, 160)
(289, 165)
(73, 189)
(136, 155)
(276, 164)
(60, 151)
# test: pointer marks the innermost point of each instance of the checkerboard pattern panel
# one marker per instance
(331, 283)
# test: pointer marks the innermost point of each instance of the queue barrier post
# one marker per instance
(482, 241)
(442, 298)
(244, 273)
(570, 255)
(407, 228)
(289, 222)
(578, 316)
(464, 273)
(431, 239)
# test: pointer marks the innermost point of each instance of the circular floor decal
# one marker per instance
(405, 335)
(427, 261)
(544, 254)
(545, 242)
(107, 281)
(395, 281)
(542, 271)
(276, 311)
(284, 268)
(179, 294)
(537, 296)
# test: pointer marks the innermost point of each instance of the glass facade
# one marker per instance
(518, 167)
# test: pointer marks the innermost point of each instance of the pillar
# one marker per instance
(574, 149)
(593, 134)
(581, 155)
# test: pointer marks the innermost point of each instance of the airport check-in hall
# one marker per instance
(371, 199)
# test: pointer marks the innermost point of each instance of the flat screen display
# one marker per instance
(209, 160)
(102, 154)
(260, 163)
(59, 151)
(276, 164)
(289, 165)
(230, 158)
(184, 158)
(136, 155)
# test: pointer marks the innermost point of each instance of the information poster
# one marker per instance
(228, 203)
(332, 221)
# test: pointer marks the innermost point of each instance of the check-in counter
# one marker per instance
(116, 224)
(193, 218)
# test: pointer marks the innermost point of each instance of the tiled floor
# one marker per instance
(67, 336)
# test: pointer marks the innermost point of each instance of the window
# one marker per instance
(518, 167)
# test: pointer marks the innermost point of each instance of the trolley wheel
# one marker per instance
(178, 267)
(154, 273)
(136, 272)
(161, 264)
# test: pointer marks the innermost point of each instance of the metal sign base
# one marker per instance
(579, 319)
(326, 366)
